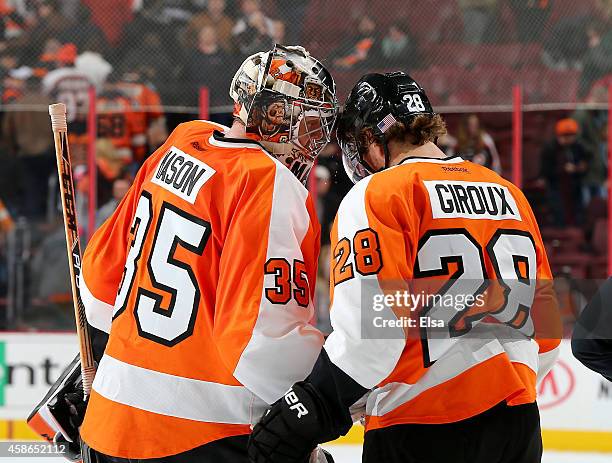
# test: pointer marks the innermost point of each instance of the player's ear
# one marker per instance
(375, 154)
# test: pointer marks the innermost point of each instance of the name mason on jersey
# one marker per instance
(471, 200)
(182, 174)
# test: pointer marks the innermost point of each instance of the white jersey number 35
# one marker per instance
(165, 325)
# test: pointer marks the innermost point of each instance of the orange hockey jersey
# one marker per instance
(442, 298)
(204, 277)
(147, 108)
(117, 121)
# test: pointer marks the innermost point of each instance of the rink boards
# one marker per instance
(575, 403)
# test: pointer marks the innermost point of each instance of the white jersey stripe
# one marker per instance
(99, 313)
(176, 396)
(367, 361)
(479, 346)
(283, 341)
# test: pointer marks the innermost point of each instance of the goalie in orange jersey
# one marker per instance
(203, 281)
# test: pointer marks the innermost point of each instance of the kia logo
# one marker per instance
(556, 387)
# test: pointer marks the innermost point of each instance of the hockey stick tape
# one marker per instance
(58, 116)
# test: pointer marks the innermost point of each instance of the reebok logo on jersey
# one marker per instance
(182, 174)
(471, 200)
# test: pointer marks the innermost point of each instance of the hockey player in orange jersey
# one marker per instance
(451, 378)
(149, 121)
(204, 279)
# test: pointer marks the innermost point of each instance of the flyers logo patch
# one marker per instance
(471, 200)
(182, 174)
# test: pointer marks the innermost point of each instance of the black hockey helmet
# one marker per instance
(377, 102)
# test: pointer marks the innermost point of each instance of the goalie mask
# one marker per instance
(377, 102)
(287, 101)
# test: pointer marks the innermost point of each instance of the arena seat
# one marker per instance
(564, 8)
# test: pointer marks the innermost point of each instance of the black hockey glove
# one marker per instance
(292, 427)
(64, 403)
(71, 407)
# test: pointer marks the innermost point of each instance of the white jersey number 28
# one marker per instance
(513, 257)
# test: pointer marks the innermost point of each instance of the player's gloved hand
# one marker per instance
(71, 450)
(59, 415)
(292, 427)
(75, 404)
(71, 405)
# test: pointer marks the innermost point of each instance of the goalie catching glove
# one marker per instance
(59, 415)
(292, 427)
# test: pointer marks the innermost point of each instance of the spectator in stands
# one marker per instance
(48, 22)
(561, 53)
(604, 10)
(8, 63)
(119, 189)
(570, 299)
(447, 143)
(358, 48)
(151, 60)
(86, 35)
(531, 17)
(55, 56)
(593, 125)
(13, 85)
(476, 145)
(150, 121)
(280, 32)
(27, 136)
(207, 66)
(399, 49)
(215, 16)
(322, 291)
(156, 34)
(111, 166)
(11, 180)
(9, 59)
(6, 226)
(563, 165)
(477, 15)
(322, 177)
(598, 59)
(11, 22)
(292, 13)
(253, 30)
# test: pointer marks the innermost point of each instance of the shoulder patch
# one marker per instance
(471, 200)
(182, 174)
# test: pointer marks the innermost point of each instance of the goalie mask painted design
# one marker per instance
(287, 101)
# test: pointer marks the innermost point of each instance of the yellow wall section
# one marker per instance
(575, 441)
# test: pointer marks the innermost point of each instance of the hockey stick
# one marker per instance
(64, 171)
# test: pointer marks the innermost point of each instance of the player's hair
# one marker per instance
(422, 129)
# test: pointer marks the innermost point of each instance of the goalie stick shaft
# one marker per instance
(73, 247)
